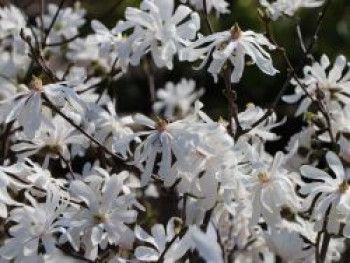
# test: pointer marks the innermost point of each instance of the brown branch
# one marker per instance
(290, 75)
(206, 17)
(232, 106)
(53, 21)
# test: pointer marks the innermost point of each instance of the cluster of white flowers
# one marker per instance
(288, 7)
(81, 181)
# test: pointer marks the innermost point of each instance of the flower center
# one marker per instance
(161, 124)
(99, 218)
(264, 177)
(324, 85)
(36, 84)
(343, 187)
(236, 32)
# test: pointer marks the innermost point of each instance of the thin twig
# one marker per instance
(59, 112)
(53, 21)
(148, 68)
(232, 106)
(290, 75)
(206, 17)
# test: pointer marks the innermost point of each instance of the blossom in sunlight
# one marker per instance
(113, 130)
(289, 245)
(12, 21)
(231, 47)
(331, 84)
(205, 243)
(168, 139)
(112, 46)
(159, 239)
(5, 197)
(271, 190)
(278, 8)
(177, 99)
(105, 218)
(218, 6)
(333, 193)
(248, 119)
(52, 141)
(159, 29)
(26, 106)
(67, 23)
(35, 225)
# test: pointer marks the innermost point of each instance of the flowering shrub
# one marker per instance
(81, 181)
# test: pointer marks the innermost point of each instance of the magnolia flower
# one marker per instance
(219, 6)
(289, 245)
(176, 99)
(5, 198)
(113, 47)
(113, 130)
(271, 190)
(306, 231)
(52, 141)
(104, 220)
(333, 193)
(35, 225)
(12, 21)
(167, 138)
(288, 7)
(248, 119)
(67, 23)
(205, 243)
(322, 82)
(231, 47)
(29, 176)
(26, 106)
(159, 29)
(159, 239)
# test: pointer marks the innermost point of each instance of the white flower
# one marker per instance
(52, 140)
(159, 29)
(331, 83)
(158, 240)
(333, 193)
(271, 190)
(12, 21)
(288, 7)
(219, 6)
(29, 175)
(289, 245)
(113, 130)
(104, 220)
(34, 225)
(5, 198)
(177, 99)
(26, 106)
(252, 115)
(113, 48)
(167, 138)
(67, 23)
(205, 243)
(231, 47)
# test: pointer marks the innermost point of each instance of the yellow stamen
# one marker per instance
(99, 218)
(264, 177)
